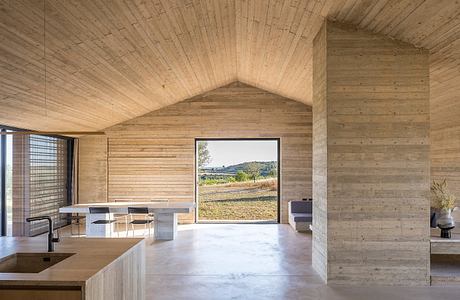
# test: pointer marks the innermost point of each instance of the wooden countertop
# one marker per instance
(92, 255)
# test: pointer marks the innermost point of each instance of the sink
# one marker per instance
(31, 262)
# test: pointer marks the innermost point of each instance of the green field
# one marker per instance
(248, 201)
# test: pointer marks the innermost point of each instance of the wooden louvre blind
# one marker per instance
(47, 180)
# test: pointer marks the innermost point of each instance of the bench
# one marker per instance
(300, 214)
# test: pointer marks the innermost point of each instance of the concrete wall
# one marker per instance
(319, 250)
(92, 170)
(378, 167)
(153, 156)
(445, 120)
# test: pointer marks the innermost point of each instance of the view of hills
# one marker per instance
(265, 168)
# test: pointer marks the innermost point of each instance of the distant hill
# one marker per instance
(265, 168)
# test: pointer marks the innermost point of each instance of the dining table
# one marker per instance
(165, 216)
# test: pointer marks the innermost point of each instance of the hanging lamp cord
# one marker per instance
(44, 58)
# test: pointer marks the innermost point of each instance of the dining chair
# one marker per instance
(102, 210)
(143, 211)
(75, 219)
(122, 216)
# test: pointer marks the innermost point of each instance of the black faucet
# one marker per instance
(51, 238)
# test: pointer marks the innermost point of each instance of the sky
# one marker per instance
(227, 153)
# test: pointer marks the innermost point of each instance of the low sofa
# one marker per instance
(300, 214)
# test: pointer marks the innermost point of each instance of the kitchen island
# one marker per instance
(96, 268)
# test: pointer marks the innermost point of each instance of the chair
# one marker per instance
(75, 220)
(144, 211)
(101, 210)
(122, 216)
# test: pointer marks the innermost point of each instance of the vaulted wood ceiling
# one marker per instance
(111, 60)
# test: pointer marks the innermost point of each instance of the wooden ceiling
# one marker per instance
(108, 61)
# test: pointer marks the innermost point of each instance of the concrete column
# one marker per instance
(371, 165)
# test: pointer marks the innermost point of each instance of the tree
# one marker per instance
(273, 172)
(204, 157)
(241, 176)
(253, 170)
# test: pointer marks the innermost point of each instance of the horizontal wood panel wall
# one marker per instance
(445, 121)
(153, 156)
(92, 169)
(378, 166)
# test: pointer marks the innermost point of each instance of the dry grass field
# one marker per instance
(239, 201)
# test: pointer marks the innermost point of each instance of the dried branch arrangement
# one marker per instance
(440, 196)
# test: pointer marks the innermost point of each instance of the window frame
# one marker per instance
(3, 163)
(204, 139)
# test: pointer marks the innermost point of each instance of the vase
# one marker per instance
(446, 222)
(445, 219)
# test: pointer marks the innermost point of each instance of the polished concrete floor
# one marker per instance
(260, 261)
(251, 261)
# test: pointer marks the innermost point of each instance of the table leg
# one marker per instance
(165, 226)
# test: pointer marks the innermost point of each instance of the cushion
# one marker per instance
(302, 217)
(102, 222)
(140, 222)
(301, 206)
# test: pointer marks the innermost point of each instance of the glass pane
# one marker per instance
(48, 179)
(9, 184)
(1, 185)
(237, 180)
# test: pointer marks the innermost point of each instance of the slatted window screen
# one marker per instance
(48, 180)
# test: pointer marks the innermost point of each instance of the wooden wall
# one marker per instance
(153, 156)
(445, 121)
(92, 169)
(123, 279)
(378, 166)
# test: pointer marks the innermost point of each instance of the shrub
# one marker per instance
(272, 185)
(213, 181)
(241, 176)
(273, 172)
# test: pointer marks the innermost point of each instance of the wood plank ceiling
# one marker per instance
(110, 61)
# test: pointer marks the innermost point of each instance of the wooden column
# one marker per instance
(371, 165)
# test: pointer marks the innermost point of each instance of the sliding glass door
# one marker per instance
(35, 180)
(9, 184)
(2, 183)
(6, 182)
(47, 180)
